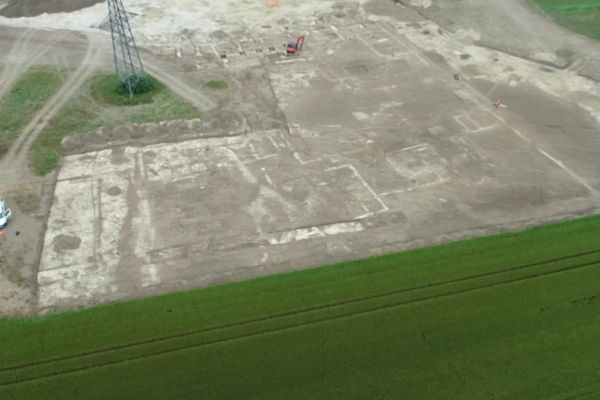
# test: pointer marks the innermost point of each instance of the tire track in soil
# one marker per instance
(303, 323)
(14, 172)
(11, 72)
(180, 88)
(16, 158)
(27, 54)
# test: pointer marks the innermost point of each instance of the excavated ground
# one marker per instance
(31, 8)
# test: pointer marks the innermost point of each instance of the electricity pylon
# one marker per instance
(128, 64)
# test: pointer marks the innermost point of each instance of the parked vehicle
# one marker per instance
(5, 214)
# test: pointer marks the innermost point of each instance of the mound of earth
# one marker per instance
(32, 8)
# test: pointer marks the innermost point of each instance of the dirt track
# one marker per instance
(31, 8)
(17, 156)
(24, 51)
(29, 196)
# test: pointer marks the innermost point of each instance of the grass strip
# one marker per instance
(217, 84)
(27, 97)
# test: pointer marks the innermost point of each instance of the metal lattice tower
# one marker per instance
(128, 64)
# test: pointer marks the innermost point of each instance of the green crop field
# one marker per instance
(515, 316)
(581, 16)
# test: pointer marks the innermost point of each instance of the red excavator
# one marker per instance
(295, 48)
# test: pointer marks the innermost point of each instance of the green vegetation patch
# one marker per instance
(102, 102)
(582, 16)
(513, 316)
(108, 89)
(27, 97)
(217, 85)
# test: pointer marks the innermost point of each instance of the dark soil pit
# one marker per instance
(65, 243)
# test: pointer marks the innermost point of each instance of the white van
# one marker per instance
(5, 214)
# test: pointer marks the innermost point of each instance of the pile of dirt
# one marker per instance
(32, 8)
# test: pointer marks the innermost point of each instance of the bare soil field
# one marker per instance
(31, 8)
(387, 132)
(516, 27)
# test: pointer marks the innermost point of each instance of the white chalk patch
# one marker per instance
(421, 3)
(470, 125)
(361, 116)
(141, 165)
(261, 158)
(150, 276)
(72, 282)
(246, 173)
(274, 142)
(352, 168)
(390, 104)
(368, 213)
(316, 232)
(145, 236)
(373, 49)
(253, 150)
(347, 227)
(593, 111)
(291, 60)
(265, 256)
(562, 166)
(416, 147)
(267, 177)
(439, 181)
(405, 46)
(302, 161)
(514, 130)
(464, 95)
